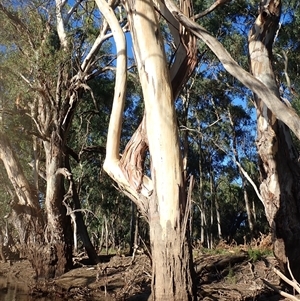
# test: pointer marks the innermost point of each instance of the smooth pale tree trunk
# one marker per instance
(218, 217)
(161, 197)
(212, 203)
(279, 164)
(172, 267)
(247, 205)
(26, 213)
(203, 221)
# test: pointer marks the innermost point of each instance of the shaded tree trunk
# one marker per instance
(134, 227)
(237, 162)
(81, 227)
(279, 164)
(26, 213)
(59, 232)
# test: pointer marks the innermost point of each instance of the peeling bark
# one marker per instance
(279, 161)
(59, 233)
(171, 256)
(161, 198)
(279, 109)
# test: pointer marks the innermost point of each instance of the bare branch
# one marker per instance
(96, 46)
(292, 283)
(277, 290)
(297, 288)
(280, 110)
(246, 175)
(211, 8)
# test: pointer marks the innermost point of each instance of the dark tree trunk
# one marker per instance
(58, 232)
(82, 230)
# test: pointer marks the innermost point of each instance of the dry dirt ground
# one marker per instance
(230, 276)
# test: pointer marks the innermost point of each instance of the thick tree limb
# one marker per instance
(279, 109)
(60, 24)
(112, 159)
(115, 123)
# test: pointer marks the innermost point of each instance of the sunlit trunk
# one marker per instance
(172, 276)
(279, 164)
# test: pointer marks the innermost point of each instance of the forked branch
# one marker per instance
(112, 163)
(293, 283)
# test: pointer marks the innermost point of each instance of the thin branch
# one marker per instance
(211, 8)
(95, 48)
(183, 127)
(246, 175)
(71, 11)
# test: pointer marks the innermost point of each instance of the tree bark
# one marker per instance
(172, 267)
(26, 213)
(162, 198)
(279, 164)
(59, 233)
(133, 228)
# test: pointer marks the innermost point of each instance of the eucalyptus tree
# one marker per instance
(50, 52)
(279, 158)
(159, 196)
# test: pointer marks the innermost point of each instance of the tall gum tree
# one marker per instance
(279, 166)
(162, 197)
(54, 78)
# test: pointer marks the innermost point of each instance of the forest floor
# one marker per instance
(225, 274)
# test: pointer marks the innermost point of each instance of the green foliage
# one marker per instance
(231, 277)
(256, 254)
